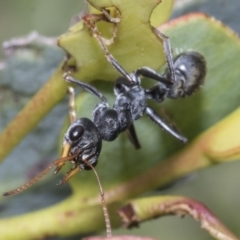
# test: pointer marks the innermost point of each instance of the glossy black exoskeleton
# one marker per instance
(83, 139)
(85, 136)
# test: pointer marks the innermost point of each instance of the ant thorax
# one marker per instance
(129, 106)
(106, 120)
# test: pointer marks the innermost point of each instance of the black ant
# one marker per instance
(184, 76)
(83, 140)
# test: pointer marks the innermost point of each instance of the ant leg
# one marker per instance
(72, 110)
(158, 92)
(132, 135)
(113, 20)
(109, 18)
(157, 119)
(87, 20)
(150, 73)
(84, 85)
(66, 146)
(168, 53)
(68, 65)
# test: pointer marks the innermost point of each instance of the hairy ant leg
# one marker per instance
(85, 86)
(168, 53)
(150, 73)
(88, 21)
(160, 122)
(72, 118)
(71, 104)
(132, 136)
(109, 17)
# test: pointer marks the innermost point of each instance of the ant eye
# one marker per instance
(76, 133)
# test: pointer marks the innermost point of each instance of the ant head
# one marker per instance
(190, 70)
(82, 146)
(83, 140)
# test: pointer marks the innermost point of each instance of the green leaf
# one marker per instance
(123, 170)
(193, 115)
(91, 63)
(131, 51)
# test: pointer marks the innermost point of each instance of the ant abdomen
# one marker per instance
(190, 71)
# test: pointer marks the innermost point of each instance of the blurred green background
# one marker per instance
(50, 18)
(219, 184)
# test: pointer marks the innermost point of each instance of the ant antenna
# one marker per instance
(104, 206)
(60, 161)
(30, 183)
